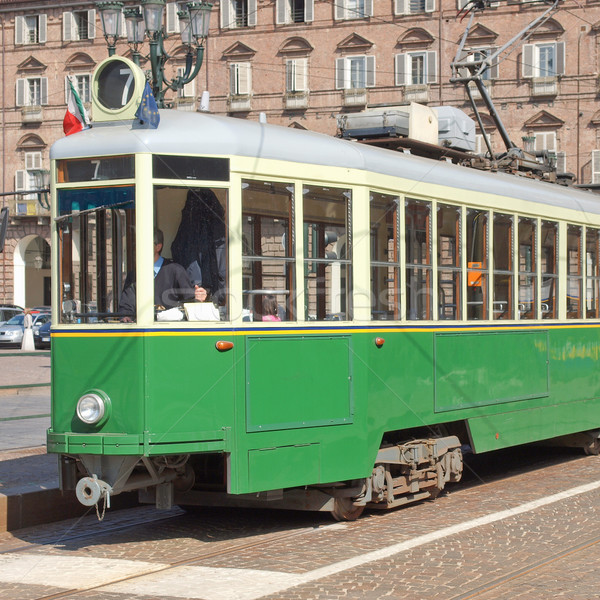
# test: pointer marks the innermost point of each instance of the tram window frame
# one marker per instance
(592, 264)
(503, 256)
(264, 252)
(477, 264)
(549, 269)
(327, 211)
(385, 271)
(574, 263)
(419, 252)
(96, 235)
(449, 262)
(528, 264)
(175, 208)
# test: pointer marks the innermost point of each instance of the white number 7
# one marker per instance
(129, 74)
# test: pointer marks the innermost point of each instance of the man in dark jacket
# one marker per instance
(171, 283)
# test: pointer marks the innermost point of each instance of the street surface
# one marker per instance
(526, 532)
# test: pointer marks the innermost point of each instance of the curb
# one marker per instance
(46, 506)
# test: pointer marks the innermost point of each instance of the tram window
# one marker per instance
(549, 269)
(418, 260)
(268, 261)
(385, 260)
(574, 272)
(477, 264)
(527, 269)
(592, 241)
(95, 169)
(449, 261)
(193, 223)
(96, 232)
(184, 168)
(327, 254)
(503, 267)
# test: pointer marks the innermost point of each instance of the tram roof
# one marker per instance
(182, 132)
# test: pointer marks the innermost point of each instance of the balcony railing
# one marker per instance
(416, 93)
(26, 205)
(32, 114)
(544, 86)
(355, 97)
(239, 103)
(296, 100)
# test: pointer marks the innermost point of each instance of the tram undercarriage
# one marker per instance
(403, 473)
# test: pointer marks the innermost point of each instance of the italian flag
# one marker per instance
(76, 118)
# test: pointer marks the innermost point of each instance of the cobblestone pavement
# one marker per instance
(511, 537)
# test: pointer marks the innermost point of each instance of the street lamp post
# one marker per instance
(194, 22)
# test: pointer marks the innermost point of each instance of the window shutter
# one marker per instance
(290, 75)
(233, 79)
(252, 13)
(43, 28)
(309, 11)
(401, 7)
(400, 60)
(66, 89)
(370, 78)
(461, 4)
(431, 67)
(21, 92)
(19, 31)
(225, 14)
(528, 60)
(429, 5)
(281, 11)
(189, 89)
(595, 166)
(340, 78)
(368, 8)
(20, 180)
(494, 69)
(302, 74)
(561, 162)
(44, 90)
(245, 78)
(33, 160)
(339, 12)
(67, 26)
(560, 58)
(91, 23)
(172, 18)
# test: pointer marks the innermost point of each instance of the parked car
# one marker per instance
(40, 309)
(11, 333)
(8, 311)
(41, 336)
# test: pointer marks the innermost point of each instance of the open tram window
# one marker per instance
(327, 254)
(503, 267)
(268, 256)
(477, 264)
(96, 232)
(549, 269)
(193, 222)
(592, 241)
(527, 269)
(418, 260)
(574, 272)
(449, 261)
(385, 260)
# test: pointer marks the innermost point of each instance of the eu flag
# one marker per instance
(147, 111)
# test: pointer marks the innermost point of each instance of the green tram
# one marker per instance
(420, 308)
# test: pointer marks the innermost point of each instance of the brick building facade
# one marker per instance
(302, 63)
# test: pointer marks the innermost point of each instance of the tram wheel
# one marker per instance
(593, 447)
(345, 510)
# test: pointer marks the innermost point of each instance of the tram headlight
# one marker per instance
(93, 407)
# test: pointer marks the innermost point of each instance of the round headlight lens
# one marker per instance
(91, 408)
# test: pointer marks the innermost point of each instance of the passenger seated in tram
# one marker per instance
(172, 286)
(270, 308)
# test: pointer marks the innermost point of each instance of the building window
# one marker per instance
(28, 179)
(355, 72)
(189, 89)
(478, 54)
(238, 13)
(416, 68)
(296, 71)
(240, 79)
(79, 25)
(294, 11)
(595, 166)
(411, 7)
(30, 29)
(353, 9)
(32, 91)
(82, 85)
(546, 147)
(544, 60)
